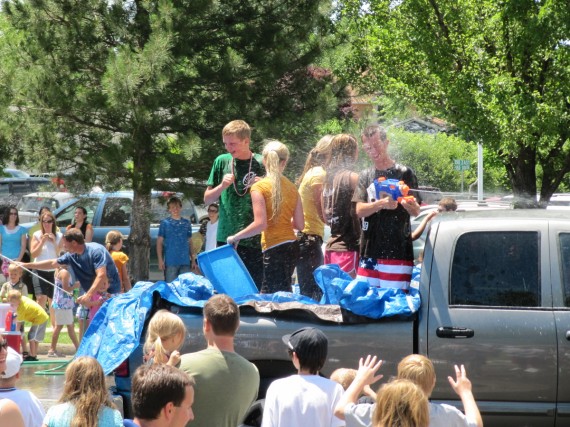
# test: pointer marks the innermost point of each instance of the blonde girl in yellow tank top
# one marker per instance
(277, 211)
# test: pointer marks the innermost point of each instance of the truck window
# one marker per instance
(565, 261)
(117, 212)
(66, 216)
(496, 269)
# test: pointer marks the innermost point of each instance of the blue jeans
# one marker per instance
(172, 272)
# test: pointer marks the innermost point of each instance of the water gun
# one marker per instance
(397, 190)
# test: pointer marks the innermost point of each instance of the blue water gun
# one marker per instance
(397, 190)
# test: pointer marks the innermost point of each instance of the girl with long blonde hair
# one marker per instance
(164, 338)
(275, 202)
(311, 236)
(85, 400)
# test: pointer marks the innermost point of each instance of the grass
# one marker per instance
(63, 336)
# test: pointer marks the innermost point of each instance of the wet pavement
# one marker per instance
(45, 378)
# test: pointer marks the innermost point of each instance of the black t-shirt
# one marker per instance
(386, 234)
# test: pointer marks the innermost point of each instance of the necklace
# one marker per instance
(247, 179)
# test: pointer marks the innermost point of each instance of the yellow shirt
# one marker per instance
(279, 229)
(31, 311)
(313, 224)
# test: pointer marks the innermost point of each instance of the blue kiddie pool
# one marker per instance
(225, 270)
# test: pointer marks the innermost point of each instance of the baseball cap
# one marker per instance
(306, 341)
(13, 363)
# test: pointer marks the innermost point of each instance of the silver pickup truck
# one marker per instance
(495, 290)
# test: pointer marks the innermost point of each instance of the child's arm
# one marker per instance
(365, 375)
(3, 293)
(462, 386)
(126, 279)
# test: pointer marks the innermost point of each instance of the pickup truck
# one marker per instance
(112, 211)
(495, 290)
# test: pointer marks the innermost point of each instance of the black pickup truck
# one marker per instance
(495, 289)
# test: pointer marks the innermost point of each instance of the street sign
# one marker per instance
(461, 165)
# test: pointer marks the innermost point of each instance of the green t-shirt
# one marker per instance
(236, 211)
(226, 386)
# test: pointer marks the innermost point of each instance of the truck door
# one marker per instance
(560, 271)
(491, 310)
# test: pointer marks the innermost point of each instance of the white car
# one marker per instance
(30, 204)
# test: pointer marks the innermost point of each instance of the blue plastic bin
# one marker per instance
(225, 270)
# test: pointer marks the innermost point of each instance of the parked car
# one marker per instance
(15, 173)
(30, 204)
(12, 189)
(113, 211)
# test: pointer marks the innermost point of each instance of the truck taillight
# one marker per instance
(123, 369)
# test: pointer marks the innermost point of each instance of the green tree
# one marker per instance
(432, 155)
(498, 70)
(132, 90)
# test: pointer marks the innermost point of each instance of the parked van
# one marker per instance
(30, 204)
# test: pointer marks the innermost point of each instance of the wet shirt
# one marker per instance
(279, 228)
(85, 265)
(176, 247)
(386, 234)
(339, 211)
(236, 211)
(313, 223)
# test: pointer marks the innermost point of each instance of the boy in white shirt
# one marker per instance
(305, 398)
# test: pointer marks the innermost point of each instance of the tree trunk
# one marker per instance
(521, 168)
(139, 239)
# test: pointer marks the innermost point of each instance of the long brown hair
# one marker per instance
(85, 389)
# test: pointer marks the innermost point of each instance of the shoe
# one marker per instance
(29, 358)
(52, 354)
(25, 354)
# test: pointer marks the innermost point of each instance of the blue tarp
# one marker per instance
(116, 329)
(357, 296)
